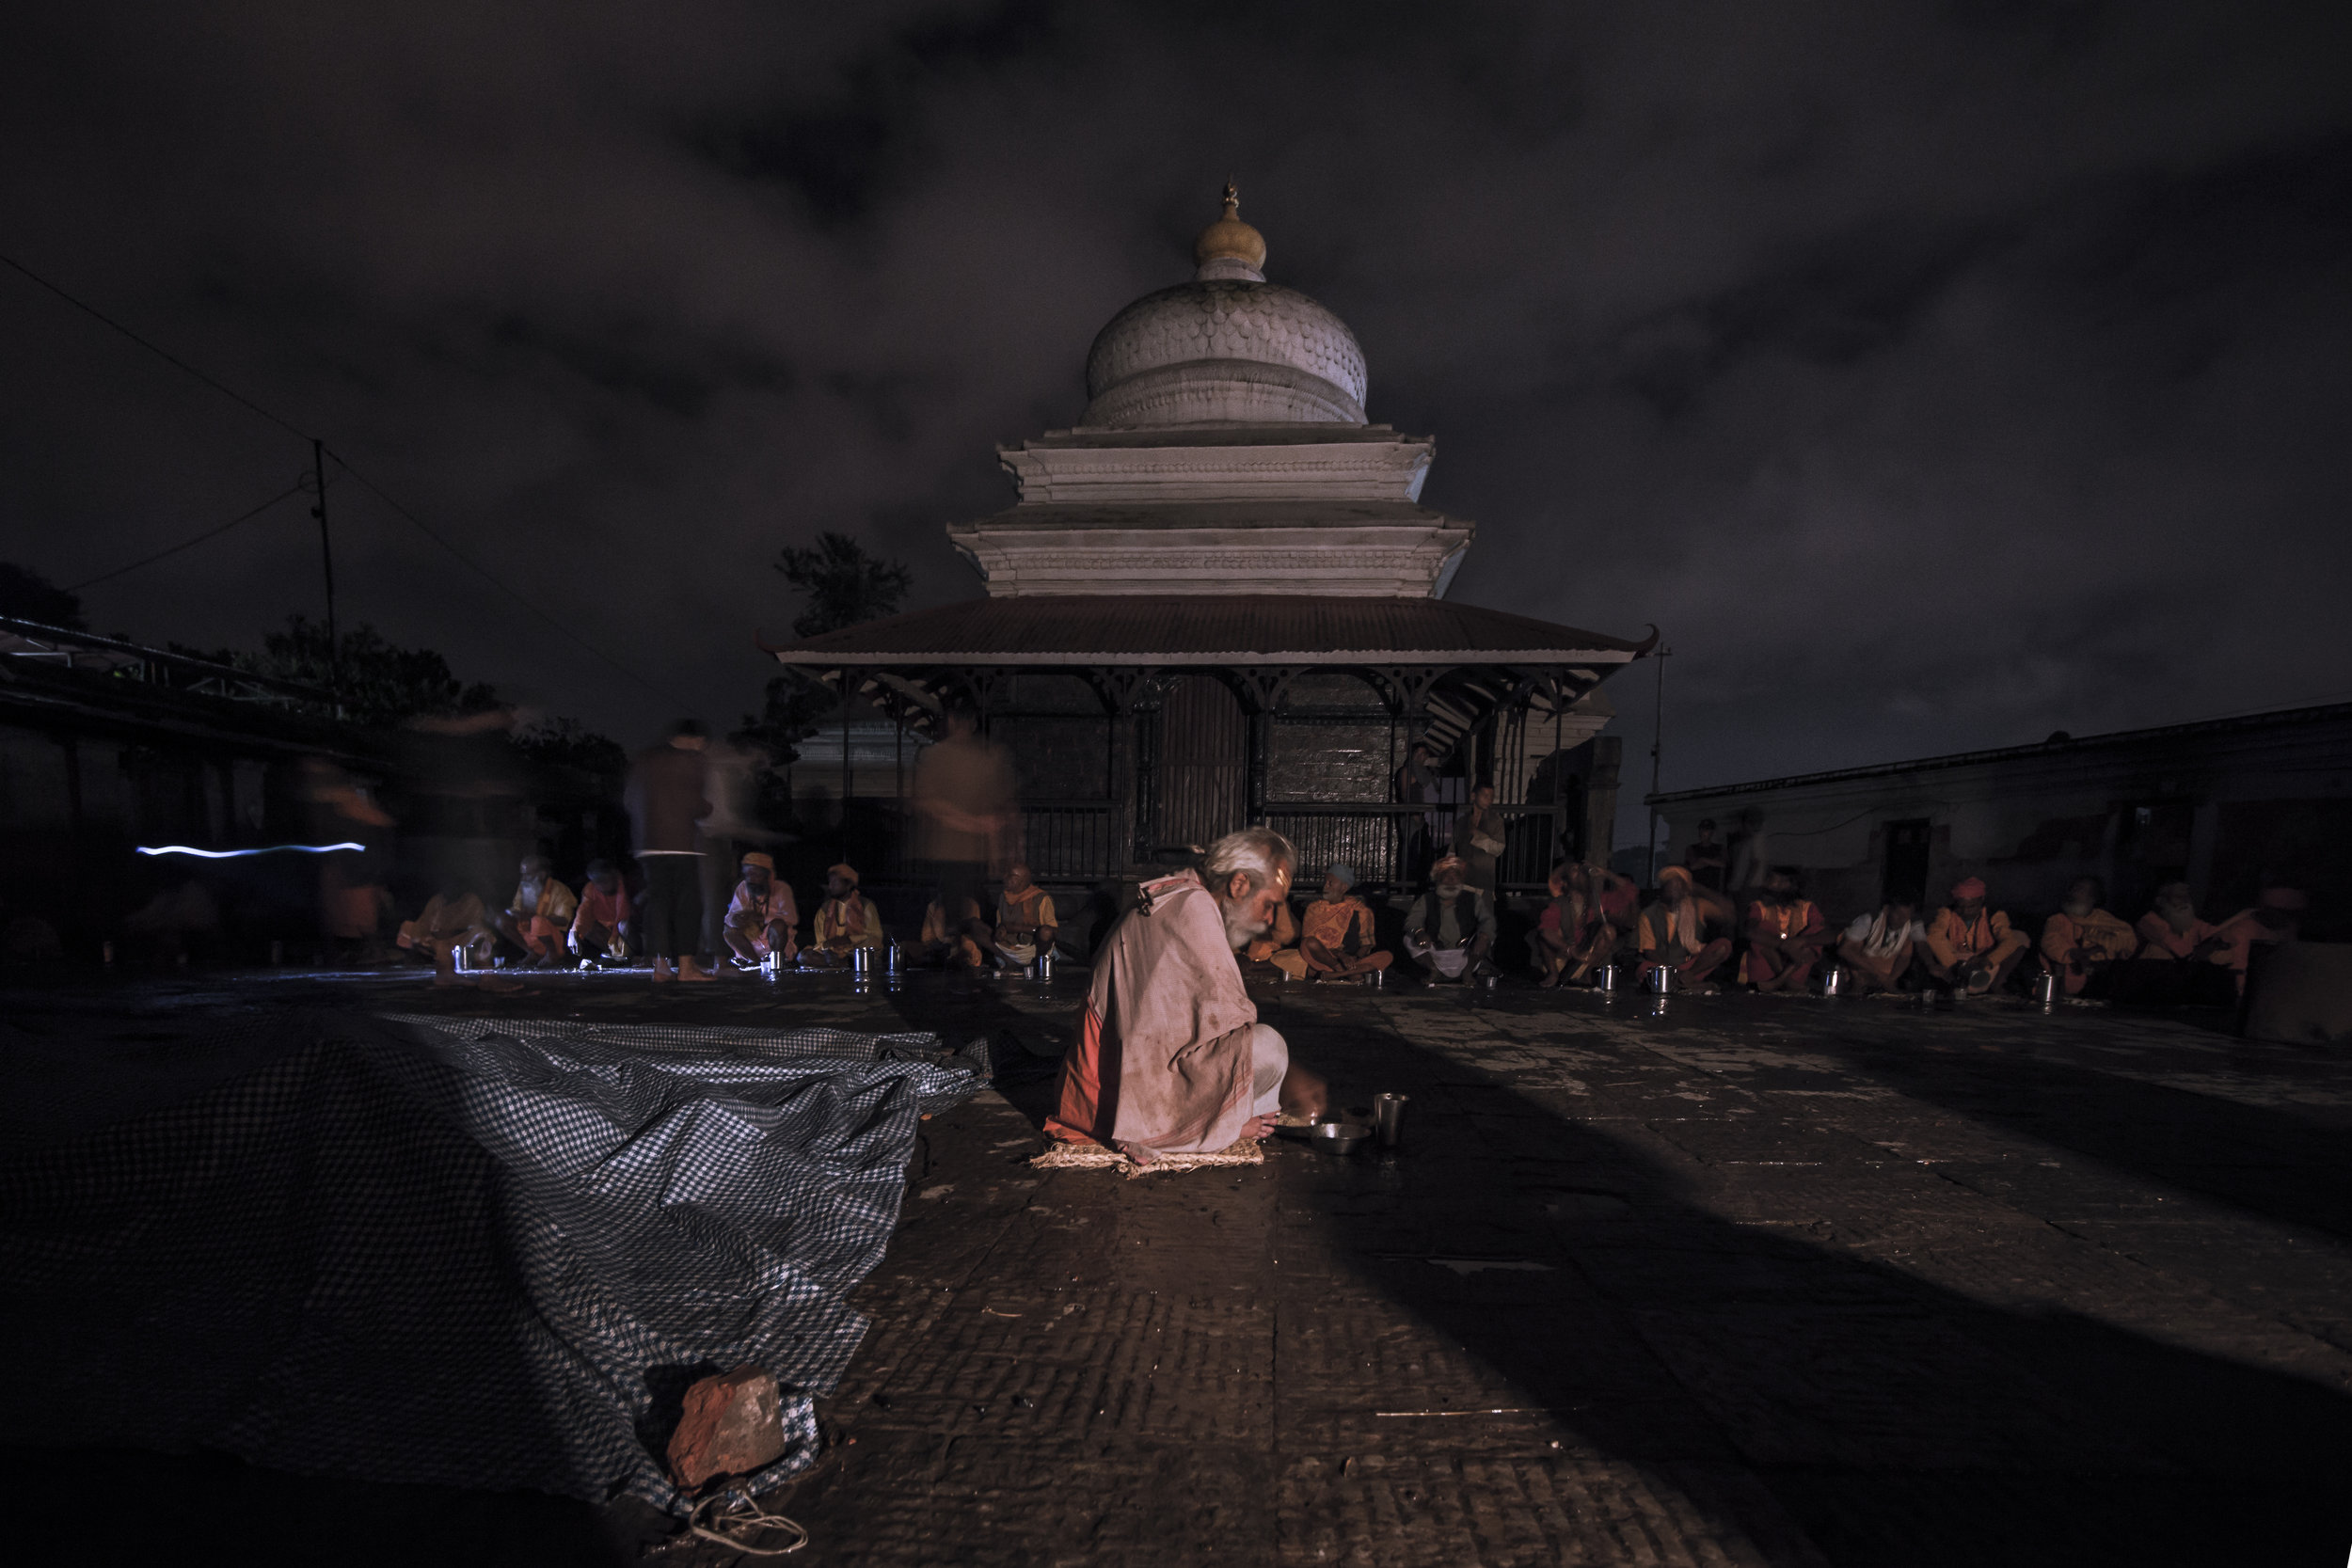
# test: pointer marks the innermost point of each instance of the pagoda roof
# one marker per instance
(1177, 629)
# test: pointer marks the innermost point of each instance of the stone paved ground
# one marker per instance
(1755, 1281)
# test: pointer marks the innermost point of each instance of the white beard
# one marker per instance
(1240, 930)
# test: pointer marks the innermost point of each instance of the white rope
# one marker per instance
(747, 1517)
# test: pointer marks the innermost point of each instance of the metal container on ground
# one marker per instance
(1659, 981)
(1042, 967)
(1834, 981)
(1388, 1119)
(2045, 987)
(1606, 977)
(892, 959)
(861, 961)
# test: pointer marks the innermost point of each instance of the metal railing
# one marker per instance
(1392, 846)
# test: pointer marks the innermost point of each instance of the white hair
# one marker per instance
(1259, 854)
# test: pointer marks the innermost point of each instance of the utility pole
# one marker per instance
(327, 558)
(1657, 737)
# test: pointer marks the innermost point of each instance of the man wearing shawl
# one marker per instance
(1969, 946)
(1785, 935)
(2182, 958)
(2082, 943)
(1581, 927)
(1451, 927)
(1880, 948)
(846, 919)
(1171, 1059)
(1672, 932)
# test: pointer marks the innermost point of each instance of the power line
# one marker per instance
(292, 428)
(286, 494)
(486, 576)
(163, 354)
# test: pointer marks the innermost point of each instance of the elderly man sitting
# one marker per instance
(1171, 1059)
(846, 921)
(762, 918)
(1970, 948)
(1024, 919)
(450, 923)
(538, 918)
(1682, 930)
(1280, 946)
(1451, 928)
(1335, 934)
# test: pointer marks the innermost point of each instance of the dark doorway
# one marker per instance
(1204, 746)
(1906, 874)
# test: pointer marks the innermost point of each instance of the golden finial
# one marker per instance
(1230, 240)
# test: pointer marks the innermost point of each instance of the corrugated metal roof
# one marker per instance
(1198, 629)
(2236, 724)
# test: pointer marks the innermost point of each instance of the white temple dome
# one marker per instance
(1226, 348)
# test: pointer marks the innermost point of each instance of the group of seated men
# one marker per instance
(545, 920)
(1782, 940)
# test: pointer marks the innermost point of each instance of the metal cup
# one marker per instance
(1042, 965)
(1833, 980)
(2045, 987)
(861, 961)
(1388, 1119)
(1605, 977)
(1660, 980)
(892, 960)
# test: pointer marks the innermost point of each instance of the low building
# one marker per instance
(2229, 806)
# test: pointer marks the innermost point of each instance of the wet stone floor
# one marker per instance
(1749, 1281)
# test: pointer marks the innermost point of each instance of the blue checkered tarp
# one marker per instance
(473, 1252)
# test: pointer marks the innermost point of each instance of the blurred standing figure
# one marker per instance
(732, 828)
(1706, 860)
(1416, 785)
(668, 797)
(353, 900)
(964, 816)
(1478, 839)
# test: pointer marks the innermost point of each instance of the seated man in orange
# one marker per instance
(1970, 948)
(538, 916)
(1879, 946)
(2276, 916)
(846, 921)
(1025, 925)
(2082, 942)
(944, 945)
(1335, 937)
(602, 923)
(1279, 946)
(1785, 935)
(2182, 959)
(1673, 933)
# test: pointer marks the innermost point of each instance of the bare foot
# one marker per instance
(692, 969)
(662, 972)
(1260, 1128)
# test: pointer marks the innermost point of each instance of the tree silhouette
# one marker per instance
(846, 584)
(27, 595)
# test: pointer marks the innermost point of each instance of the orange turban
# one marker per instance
(845, 871)
(1972, 887)
(1680, 874)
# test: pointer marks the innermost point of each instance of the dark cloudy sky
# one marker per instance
(1936, 375)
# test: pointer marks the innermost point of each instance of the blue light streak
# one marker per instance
(240, 854)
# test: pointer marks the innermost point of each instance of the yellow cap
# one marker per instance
(1230, 239)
